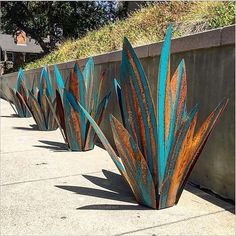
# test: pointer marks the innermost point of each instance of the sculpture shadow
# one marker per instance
(115, 189)
(33, 127)
(209, 196)
(11, 116)
(54, 146)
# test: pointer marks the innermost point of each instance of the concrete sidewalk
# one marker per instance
(46, 190)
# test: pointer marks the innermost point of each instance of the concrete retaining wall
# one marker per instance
(210, 65)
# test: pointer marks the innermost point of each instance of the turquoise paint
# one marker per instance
(145, 86)
(59, 79)
(82, 99)
(130, 168)
(185, 111)
(163, 70)
(123, 77)
(178, 148)
(101, 107)
(134, 172)
(88, 69)
(44, 75)
(117, 87)
(182, 116)
(21, 77)
(144, 116)
(148, 101)
(71, 135)
(135, 121)
(72, 100)
(118, 95)
(147, 194)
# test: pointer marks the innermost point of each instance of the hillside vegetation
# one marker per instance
(144, 26)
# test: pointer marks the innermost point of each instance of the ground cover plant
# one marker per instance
(144, 26)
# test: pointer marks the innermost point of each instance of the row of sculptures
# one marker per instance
(156, 146)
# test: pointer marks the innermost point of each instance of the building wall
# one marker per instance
(210, 65)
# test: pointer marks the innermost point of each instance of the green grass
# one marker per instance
(144, 26)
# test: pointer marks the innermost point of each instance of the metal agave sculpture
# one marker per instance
(20, 96)
(76, 130)
(157, 148)
(41, 102)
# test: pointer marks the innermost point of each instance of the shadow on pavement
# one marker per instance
(209, 196)
(33, 127)
(113, 207)
(116, 189)
(11, 116)
(55, 146)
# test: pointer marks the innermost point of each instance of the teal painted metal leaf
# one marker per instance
(139, 175)
(138, 107)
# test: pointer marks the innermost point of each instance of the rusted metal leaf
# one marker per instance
(80, 89)
(158, 148)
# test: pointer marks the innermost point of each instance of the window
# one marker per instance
(10, 56)
(2, 55)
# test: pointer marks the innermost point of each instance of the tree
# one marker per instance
(57, 20)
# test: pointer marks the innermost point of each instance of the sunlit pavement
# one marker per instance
(46, 190)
